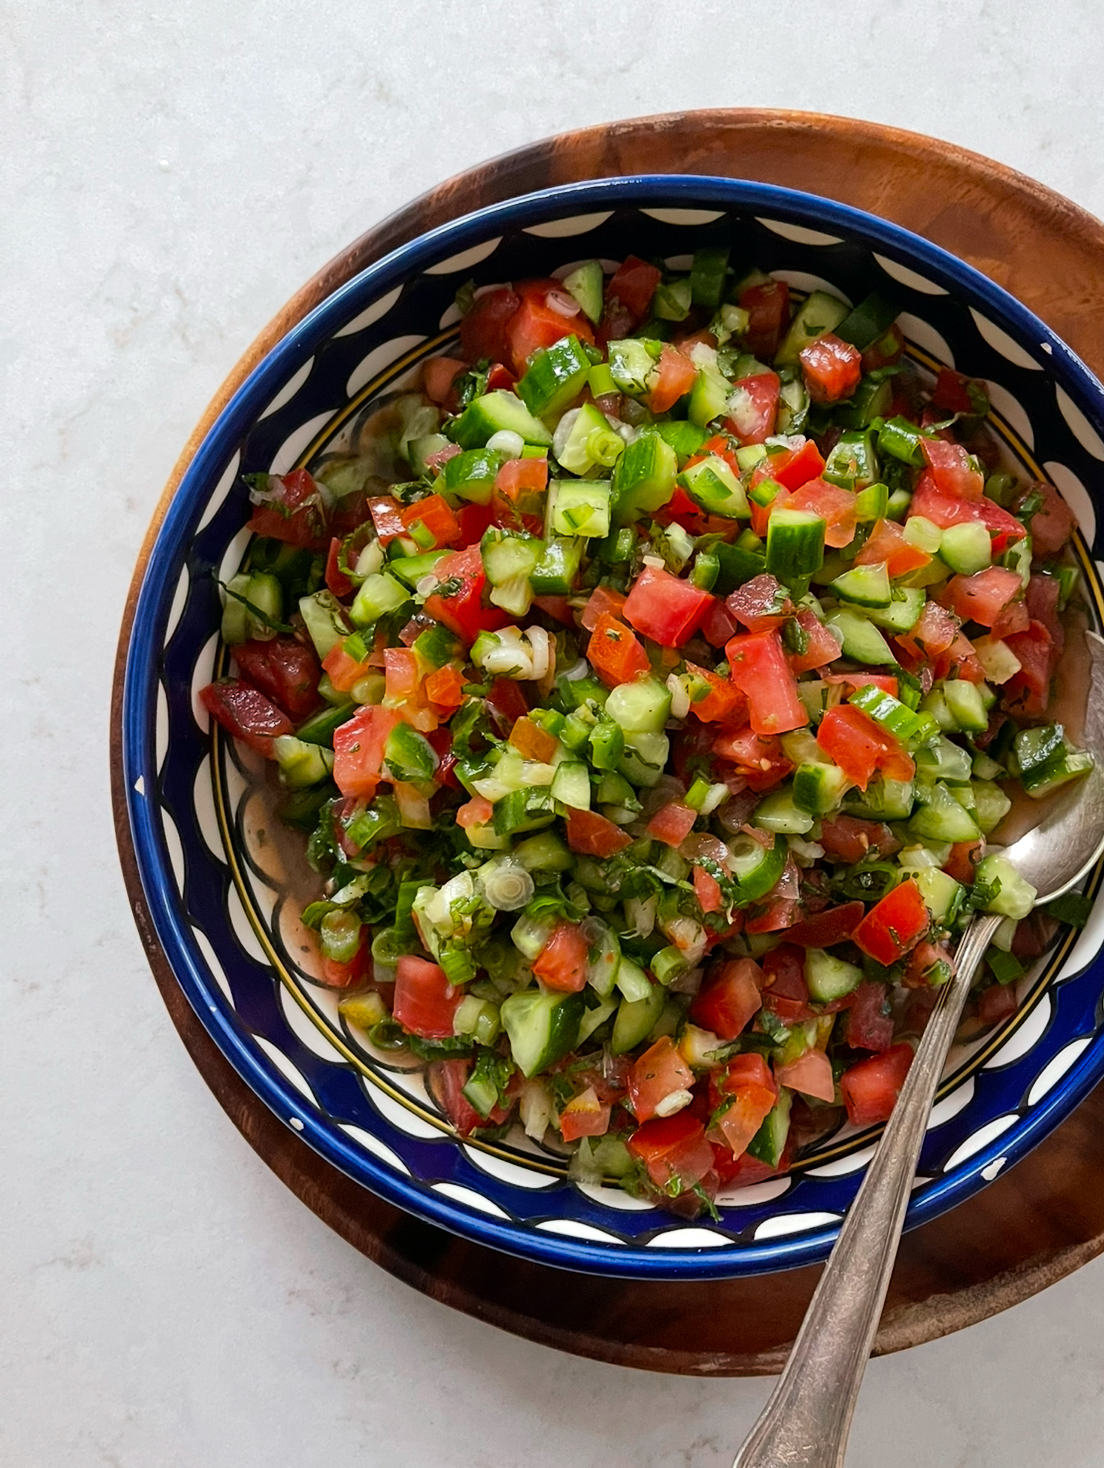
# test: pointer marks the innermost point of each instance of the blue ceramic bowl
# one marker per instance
(218, 884)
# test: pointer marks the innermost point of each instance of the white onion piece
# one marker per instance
(680, 698)
(562, 303)
(563, 431)
(505, 441)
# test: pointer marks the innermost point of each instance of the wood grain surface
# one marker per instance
(1038, 1221)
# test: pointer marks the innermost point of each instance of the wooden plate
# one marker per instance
(1035, 1223)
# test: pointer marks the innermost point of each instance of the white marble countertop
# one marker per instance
(172, 175)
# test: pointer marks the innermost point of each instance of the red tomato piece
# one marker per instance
(507, 702)
(996, 1004)
(887, 543)
(615, 653)
(822, 643)
(446, 1081)
(483, 329)
(760, 604)
(982, 597)
(532, 741)
(719, 625)
(951, 392)
(871, 1087)
(294, 512)
(963, 860)
(707, 890)
(439, 375)
(632, 286)
(835, 506)
(562, 962)
(585, 1116)
(1042, 606)
(747, 1091)
(461, 611)
(666, 608)
(343, 670)
(675, 376)
(889, 348)
(602, 599)
(854, 741)
(1028, 691)
(811, 1074)
(952, 470)
(546, 315)
(894, 924)
(673, 1149)
(825, 929)
(386, 516)
(753, 407)
(723, 701)
(353, 973)
(862, 679)
(660, 1072)
(760, 670)
(850, 838)
(425, 1001)
(832, 368)
(478, 811)
(431, 523)
(672, 823)
(358, 749)
(1052, 525)
(869, 1022)
(336, 579)
(246, 713)
(589, 834)
(785, 992)
(474, 520)
(943, 509)
(759, 758)
(791, 467)
(728, 998)
(284, 669)
(768, 308)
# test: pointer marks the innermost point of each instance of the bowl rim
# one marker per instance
(165, 544)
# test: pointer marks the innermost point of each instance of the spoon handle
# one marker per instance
(807, 1418)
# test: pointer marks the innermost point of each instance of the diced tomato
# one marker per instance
(483, 329)
(871, 1087)
(747, 1091)
(666, 608)
(728, 998)
(507, 702)
(825, 929)
(402, 672)
(672, 823)
(894, 924)
(860, 678)
(722, 703)
(1052, 525)
(659, 1073)
(1028, 691)
(559, 608)
(445, 687)
(615, 652)
(832, 368)
(707, 890)
(336, 580)
(759, 758)
(632, 286)
(759, 669)
(952, 470)
(446, 1081)
(478, 811)
(343, 670)
(1041, 603)
(462, 611)
(753, 407)
(474, 520)
(351, 974)
(723, 447)
(386, 516)
(358, 749)
(294, 512)
(811, 1074)
(438, 376)
(834, 505)
(887, 543)
(963, 860)
(855, 742)
(785, 992)
(760, 604)
(925, 961)
(533, 742)
(562, 962)
(589, 834)
(520, 491)
(951, 392)
(745, 1171)
(982, 597)
(850, 838)
(791, 467)
(425, 1001)
(544, 317)
(869, 1022)
(431, 523)
(602, 599)
(822, 644)
(286, 670)
(943, 509)
(246, 713)
(768, 308)
(585, 1116)
(934, 632)
(675, 376)
(673, 1149)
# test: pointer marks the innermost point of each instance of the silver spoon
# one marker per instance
(807, 1417)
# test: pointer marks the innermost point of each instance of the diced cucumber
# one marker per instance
(645, 758)
(818, 314)
(867, 321)
(319, 728)
(828, 977)
(940, 816)
(671, 301)
(555, 376)
(643, 478)
(585, 284)
(859, 639)
(923, 534)
(795, 547)
(635, 1018)
(711, 484)
(991, 805)
(544, 852)
(779, 811)
(590, 442)
(580, 507)
(685, 438)
(966, 705)
(498, 412)
(326, 621)
(556, 572)
(708, 274)
(818, 788)
(865, 586)
(542, 1027)
(571, 784)
(913, 728)
(631, 363)
(852, 463)
(640, 708)
(376, 596)
(769, 1142)
(944, 761)
(998, 661)
(411, 569)
(966, 548)
(1015, 897)
(253, 601)
(301, 763)
(942, 895)
(883, 800)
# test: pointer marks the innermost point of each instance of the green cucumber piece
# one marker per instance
(869, 320)
(586, 285)
(498, 412)
(580, 507)
(541, 1027)
(864, 586)
(940, 816)
(795, 547)
(818, 314)
(643, 478)
(1014, 897)
(708, 274)
(966, 705)
(711, 484)
(943, 896)
(301, 763)
(860, 641)
(555, 376)
(779, 811)
(769, 1142)
(326, 621)
(828, 977)
(905, 605)
(818, 788)
(640, 708)
(635, 1018)
(966, 548)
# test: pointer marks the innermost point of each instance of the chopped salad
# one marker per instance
(649, 692)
